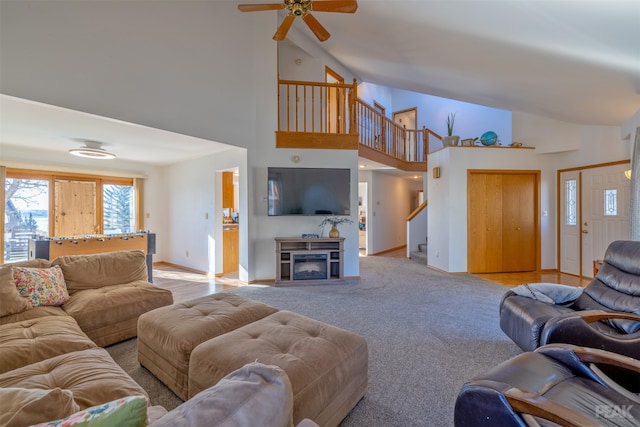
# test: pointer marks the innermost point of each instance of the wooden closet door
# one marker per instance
(518, 220)
(485, 223)
(502, 222)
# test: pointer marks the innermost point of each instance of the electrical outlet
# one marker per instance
(437, 254)
(187, 253)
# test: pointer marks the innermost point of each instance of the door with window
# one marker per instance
(594, 211)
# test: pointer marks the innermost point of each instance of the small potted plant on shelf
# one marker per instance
(450, 139)
(335, 221)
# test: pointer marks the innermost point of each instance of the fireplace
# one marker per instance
(311, 266)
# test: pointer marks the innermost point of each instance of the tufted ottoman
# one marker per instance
(167, 335)
(327, 366)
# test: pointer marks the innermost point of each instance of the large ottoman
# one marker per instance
(167, 335)
(327, 366)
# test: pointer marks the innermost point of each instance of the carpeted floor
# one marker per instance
(428, 332)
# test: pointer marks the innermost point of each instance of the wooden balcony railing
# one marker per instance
(316, 115)
(330, 115)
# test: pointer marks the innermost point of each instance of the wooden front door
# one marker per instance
(75, 208)
(502, 221)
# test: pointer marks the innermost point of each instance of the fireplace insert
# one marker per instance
(310, 266)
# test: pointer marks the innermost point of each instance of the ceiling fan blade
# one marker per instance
(283, 29)
(342, 6)
(321, 33)
(259, 7)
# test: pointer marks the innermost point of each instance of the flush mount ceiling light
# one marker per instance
(92, 150)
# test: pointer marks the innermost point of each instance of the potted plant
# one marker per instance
(450, 139)
(335, 221)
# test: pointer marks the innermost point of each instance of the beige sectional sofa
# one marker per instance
(47, 348)
(52, 366)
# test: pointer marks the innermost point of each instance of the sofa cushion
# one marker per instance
(254, 395)
(33, 313)
(91, 375)
(23, 407)
(41, 286)
(10, 300)
(105, 269)
(110, 314)
(129, 411)
(34, 340)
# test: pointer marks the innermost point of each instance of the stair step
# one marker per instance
(418, 256)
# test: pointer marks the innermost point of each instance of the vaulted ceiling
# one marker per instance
(576, 61)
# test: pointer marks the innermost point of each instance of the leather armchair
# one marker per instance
(605, 316)
(558, 384)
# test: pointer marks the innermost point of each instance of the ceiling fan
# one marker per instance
(303, 8)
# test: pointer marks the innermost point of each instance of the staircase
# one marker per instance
(421, 254)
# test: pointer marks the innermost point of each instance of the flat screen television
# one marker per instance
(309, 191)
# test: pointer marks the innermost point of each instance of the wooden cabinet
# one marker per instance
(309, 261)
(230, 247)
(502, 221)
(227, 191)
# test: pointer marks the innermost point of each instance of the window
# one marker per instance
(118, 209)
(26, 215)
(610, 202)
(40, 204)
(571, 201)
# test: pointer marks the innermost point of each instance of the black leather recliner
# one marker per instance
(605, 316)
(558, 384)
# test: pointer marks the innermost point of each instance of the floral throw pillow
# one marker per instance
(129, 411)
(41, 286)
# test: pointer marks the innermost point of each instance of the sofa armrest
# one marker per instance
(253, 395)
(580, 328)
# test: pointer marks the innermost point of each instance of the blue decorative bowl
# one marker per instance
(489, 138)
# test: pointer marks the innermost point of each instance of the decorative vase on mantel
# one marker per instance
(334, 233)
(451, 140)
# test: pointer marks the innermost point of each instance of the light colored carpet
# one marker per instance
(428, 332)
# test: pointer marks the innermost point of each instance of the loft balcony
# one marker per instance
(331, 116)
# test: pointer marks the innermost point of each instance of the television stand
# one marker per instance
(309, 261)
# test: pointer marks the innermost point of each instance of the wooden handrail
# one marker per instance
(314, 108)
(417, 210)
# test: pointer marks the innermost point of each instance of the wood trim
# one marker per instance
(388, 250)
(418, 210)
(598, 165)
(316, 140)
(380, 157)
(180, 267)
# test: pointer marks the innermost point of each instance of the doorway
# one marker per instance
(362, 216)
(335, 102)
(593, 212)
(230, 225)
(408, 119)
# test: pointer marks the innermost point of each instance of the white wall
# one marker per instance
(447, 227)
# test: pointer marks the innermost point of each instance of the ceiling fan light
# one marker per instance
(92, 150)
